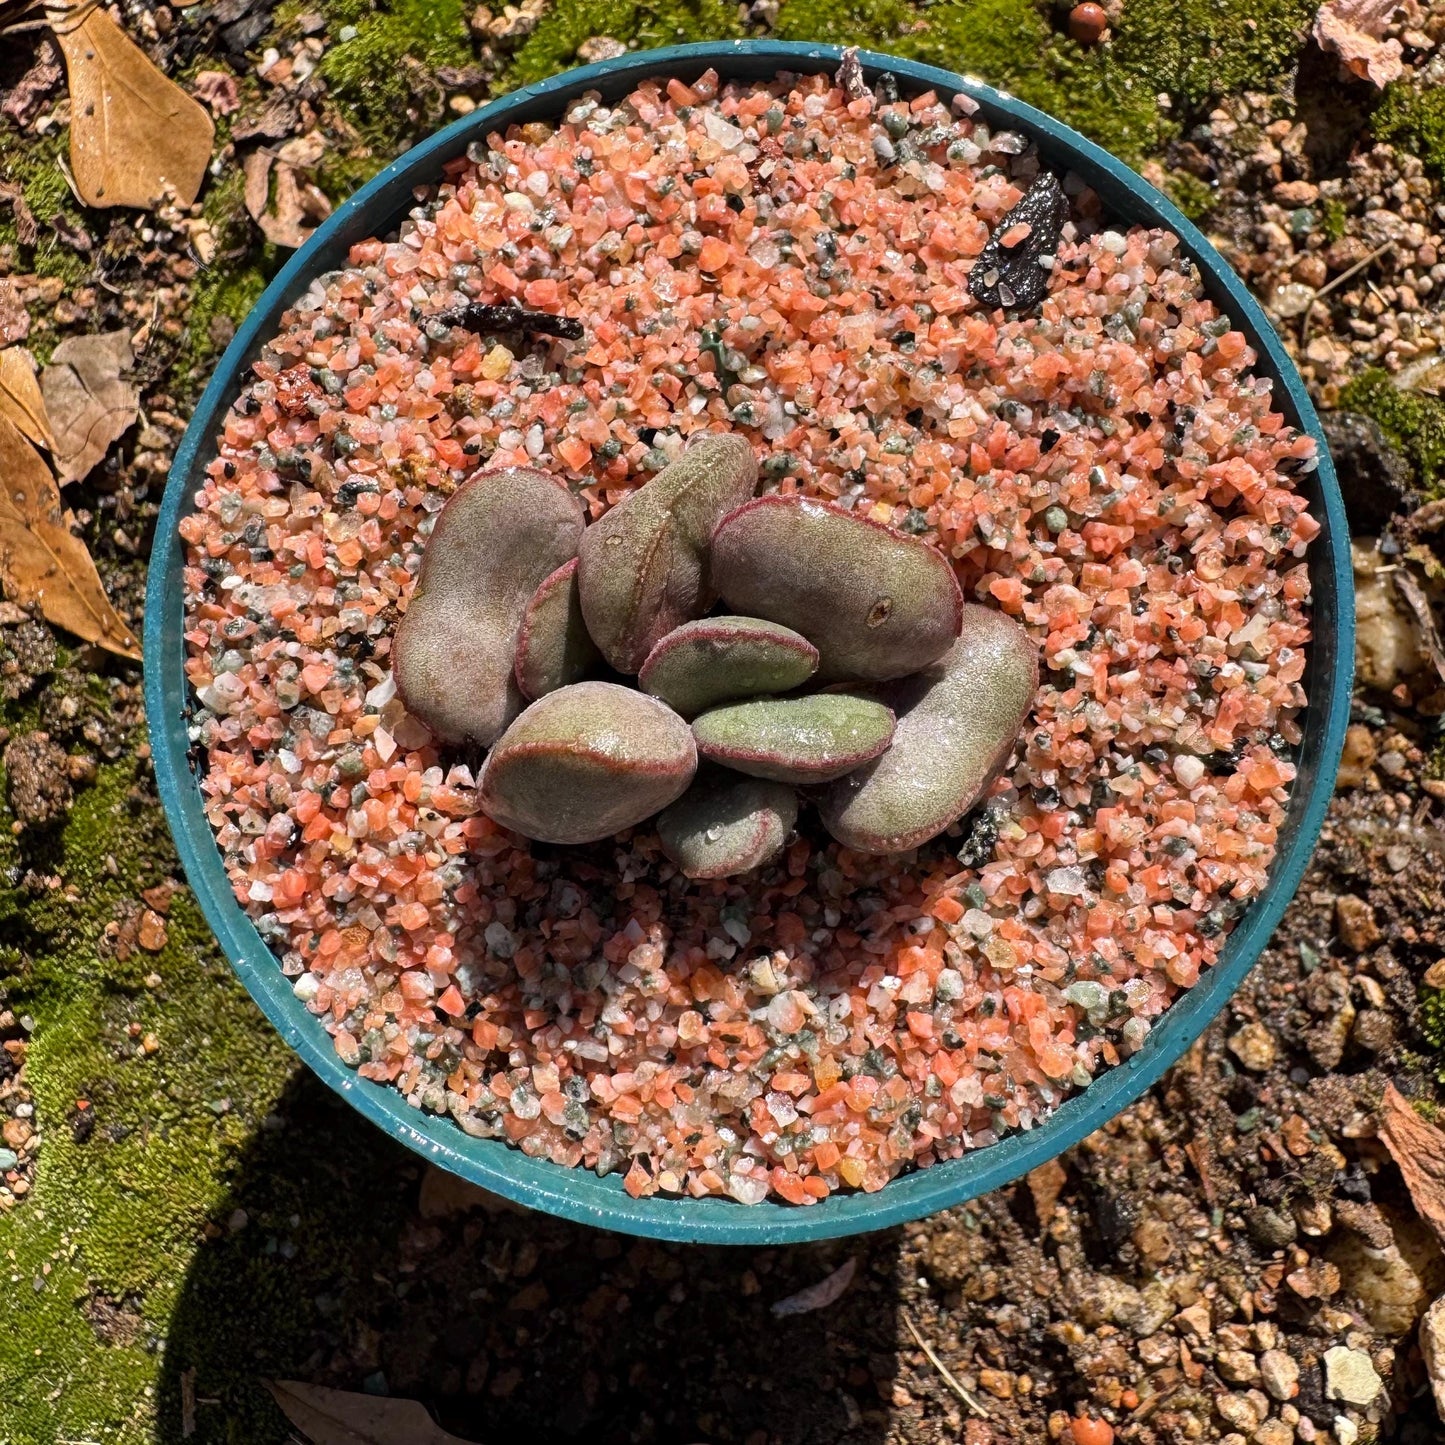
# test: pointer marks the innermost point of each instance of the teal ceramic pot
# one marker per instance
(579, 1194)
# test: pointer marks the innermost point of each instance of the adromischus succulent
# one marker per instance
(726, 824)
(554, 647)
(958, 719)
(717, 659)
(810, 739)
(875, 602)
(498, 536)
(586, 761)
(643, 565)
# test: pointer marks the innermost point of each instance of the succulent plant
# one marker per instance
(957, 721)
(643, 565)
(499, 534)
(795, 739)
(716, 659)
(725, 824)
(586, 761)
(875, 602)
(554, 647)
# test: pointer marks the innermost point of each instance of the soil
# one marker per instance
(185, 1212)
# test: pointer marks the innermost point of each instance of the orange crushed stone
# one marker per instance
(1107, 469)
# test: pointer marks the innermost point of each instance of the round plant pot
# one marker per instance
(579, 1194)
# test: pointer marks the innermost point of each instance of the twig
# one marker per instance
(970, 1400)
(1335, 284)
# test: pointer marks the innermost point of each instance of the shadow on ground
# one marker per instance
(336, 1260)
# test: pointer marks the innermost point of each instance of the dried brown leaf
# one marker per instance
(89, 400)
(279, 201)
(343, 1417)
(20, 398)
(1353, 30)
(1419, 1149)
(133, 133)
(41, 560)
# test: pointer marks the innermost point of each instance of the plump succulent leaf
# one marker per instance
(586, 761)
(643, 566)
(725, 824)
(875, 602)
(957, 723)
(716, 659)
(498, 536)
(554, 647)
(795, 739)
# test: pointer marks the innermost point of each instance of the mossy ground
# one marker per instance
(1414, 421)
(185, 1131)
(1413, 116)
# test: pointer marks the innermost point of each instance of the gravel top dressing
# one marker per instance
(902, 317)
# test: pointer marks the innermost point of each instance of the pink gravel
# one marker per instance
(1108, 470)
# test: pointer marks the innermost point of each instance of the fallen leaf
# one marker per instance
(1352, 29)
(20, 398)
(343, 1417)
(818, 1296)
(25, 96)
(14, 318)
(133, 133)
(1418, 1148)
(41, 560)
(89, 400)
(281, 209)
(1046, 1183)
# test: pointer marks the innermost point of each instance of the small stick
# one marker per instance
(968, 1399)
(1337, 282)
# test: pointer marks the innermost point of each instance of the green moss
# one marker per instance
(1413, 421)
(1193, 196)
(1190, 50)
(122, 1212)
(552, 46)
(381, 76)
(1332, 218)
(1413, 118)
(34, 164)
(1430, 1020)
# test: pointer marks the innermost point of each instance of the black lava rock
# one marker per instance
(1012, 276)
(1374, 478)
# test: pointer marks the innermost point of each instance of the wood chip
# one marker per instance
(817, 1296)
(41, 560)
(1419, 1150)
(89, 401)
(20, 398)
(133, 133)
